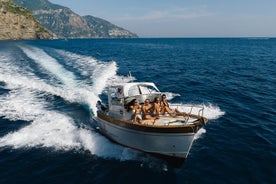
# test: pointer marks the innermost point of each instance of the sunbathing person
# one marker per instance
(156, 106)
(165, 107)
(136, 111)
(146, 110)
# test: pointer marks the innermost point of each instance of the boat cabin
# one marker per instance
(118, 104)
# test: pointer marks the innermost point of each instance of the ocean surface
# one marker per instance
(48, 92)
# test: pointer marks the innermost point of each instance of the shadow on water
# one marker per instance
(173, 162)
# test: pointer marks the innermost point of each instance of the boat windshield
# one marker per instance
(133, 91)
(147, 89)
(141, 93)
(141, 90)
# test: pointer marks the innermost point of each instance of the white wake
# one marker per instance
(49, 128)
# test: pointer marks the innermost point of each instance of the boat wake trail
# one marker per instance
(50, 128)
(73, 89)
(25, 100)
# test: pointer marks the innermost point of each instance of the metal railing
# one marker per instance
(191, 108)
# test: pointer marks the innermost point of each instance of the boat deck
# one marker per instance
(171, 121)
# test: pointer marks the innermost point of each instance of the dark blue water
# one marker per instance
(48, 91)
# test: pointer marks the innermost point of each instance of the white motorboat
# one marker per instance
(168, 135)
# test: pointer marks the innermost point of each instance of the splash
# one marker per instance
(199, 133)
(14, 78)
(210, 111)
(51, 64)
(49, 128)
(120, 80)
(170, 95)
(98, 72)
(74, 90)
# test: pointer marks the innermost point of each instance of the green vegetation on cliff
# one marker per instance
(17, 22)
(67, 24)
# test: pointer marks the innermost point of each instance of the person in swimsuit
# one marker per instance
(146, 110)
(156, 106)
(136, 111)
(165, 107)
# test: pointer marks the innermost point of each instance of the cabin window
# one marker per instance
(147, 89)
(133, 91)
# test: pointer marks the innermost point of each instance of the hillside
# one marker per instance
(18, 23)
(66, 24)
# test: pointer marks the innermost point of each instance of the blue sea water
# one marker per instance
(48, 92)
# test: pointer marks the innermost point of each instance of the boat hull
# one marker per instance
(169, 143)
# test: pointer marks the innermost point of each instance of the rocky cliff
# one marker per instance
(67, 24)
(18, 23)
(102, 28)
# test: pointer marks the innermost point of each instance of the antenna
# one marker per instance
(129, 74)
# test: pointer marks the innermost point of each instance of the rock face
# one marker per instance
(18, 23)
(67, 24)
(102, 28)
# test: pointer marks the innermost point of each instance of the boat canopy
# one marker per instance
(140, 91)
(136, 90)
(139, 88)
